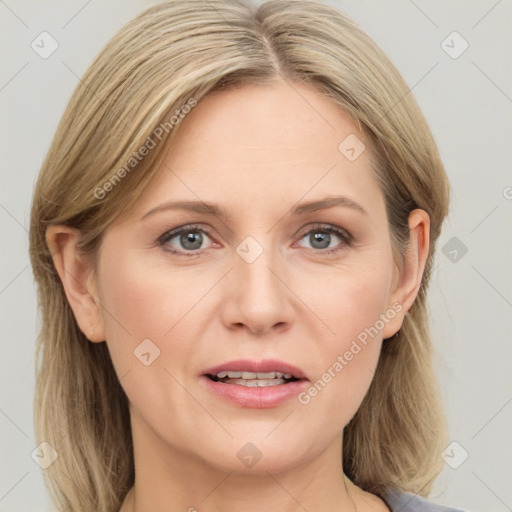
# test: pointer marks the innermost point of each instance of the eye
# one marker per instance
(322, 238)
(184, 240)
(189, 240)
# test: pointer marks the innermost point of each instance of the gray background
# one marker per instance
(468, 103)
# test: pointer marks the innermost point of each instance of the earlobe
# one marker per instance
(408, 281)
(76, 273)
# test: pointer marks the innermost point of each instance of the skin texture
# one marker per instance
(256, 151)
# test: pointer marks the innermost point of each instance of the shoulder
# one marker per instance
(399, 501)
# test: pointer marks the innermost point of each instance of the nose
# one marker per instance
(257, 296)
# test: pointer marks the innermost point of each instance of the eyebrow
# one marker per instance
(215, 210)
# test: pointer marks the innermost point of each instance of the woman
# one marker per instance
(232, 236)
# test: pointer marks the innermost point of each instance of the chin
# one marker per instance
(256, 455)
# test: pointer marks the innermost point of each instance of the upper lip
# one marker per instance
(265, 366)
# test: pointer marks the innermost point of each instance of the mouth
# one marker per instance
(252, 379)
(254, 384)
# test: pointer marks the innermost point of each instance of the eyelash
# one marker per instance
(345, 236)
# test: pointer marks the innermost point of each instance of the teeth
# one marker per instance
(252, 375)
(268, 375)
(256, 383)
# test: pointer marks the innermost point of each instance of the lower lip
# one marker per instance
(257, 398)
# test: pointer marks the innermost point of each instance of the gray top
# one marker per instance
(398, 501)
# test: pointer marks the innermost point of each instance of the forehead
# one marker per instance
(278, 142)
(278, 120)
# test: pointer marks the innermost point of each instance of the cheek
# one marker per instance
(142, 301)
(348, 298)
(147, 297)
(354, 307)
(150, 321)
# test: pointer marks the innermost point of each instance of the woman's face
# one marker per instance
(275, 285)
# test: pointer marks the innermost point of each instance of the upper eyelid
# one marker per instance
(194, 227)
(171, 233)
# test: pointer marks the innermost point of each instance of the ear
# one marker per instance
(407, 281)
(76, 272)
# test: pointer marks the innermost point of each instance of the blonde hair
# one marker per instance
(172, 55)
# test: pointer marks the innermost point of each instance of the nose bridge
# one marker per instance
(253, 266)
(259, 299)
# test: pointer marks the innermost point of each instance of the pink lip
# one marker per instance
(265, 397)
